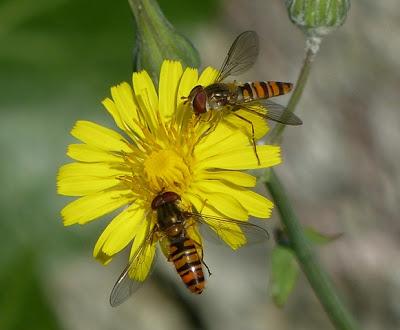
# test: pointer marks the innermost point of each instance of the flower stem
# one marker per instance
(318, 278)
(275, 136)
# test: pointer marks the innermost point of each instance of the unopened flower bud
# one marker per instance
(317, 18)
(156, 40)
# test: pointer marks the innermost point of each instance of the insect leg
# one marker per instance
(252, 135)
(208, 269)
(210, 116)
(208, 131)
(185, 98)
(202, 207)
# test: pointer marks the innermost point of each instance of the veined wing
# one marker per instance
(241, 56)
(125, 285)
(224, 229)
(273, 111)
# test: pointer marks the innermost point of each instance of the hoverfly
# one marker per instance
(250, 96)
(172, 227)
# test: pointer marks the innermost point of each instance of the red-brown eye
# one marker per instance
(165, 197)
(170, 197)
(199, 102)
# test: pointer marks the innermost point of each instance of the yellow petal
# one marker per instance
(228, 134)
(88, 153)
(103, 258)
(188, 81)
(257, 205)
(84, 185)
(229, 232)
(125, 105)
(90, 207)
(208, 76)
(97, 251)
(142, 253)
(233, 177)
(99, 136)
(252, 202)
(146, 97)
(260, 125)
(121, 230)
(243, 158)
(100, 170)
(113, 111)
(220, 141)
(224, 203)
(170, 75)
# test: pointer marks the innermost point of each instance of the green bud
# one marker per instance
(317, 18)
(156, 40)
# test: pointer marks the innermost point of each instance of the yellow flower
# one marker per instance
(162, 148)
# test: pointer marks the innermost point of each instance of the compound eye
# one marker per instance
(170, 197)
(199, 102)
(157, 202)
(163, 198)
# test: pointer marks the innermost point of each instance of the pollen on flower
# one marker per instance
(165, 168)
(162, 161)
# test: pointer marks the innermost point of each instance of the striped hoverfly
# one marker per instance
(253, 96)
(185, 252)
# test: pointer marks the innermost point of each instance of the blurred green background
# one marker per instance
(58, 60)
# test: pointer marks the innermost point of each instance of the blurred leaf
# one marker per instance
(320, 238)
(23, 303)
(285, 271)
(15, 12)
(190, 12)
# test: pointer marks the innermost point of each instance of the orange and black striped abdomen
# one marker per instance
(187, 262)
(263, 89)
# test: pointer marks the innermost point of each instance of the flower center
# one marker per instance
(166, 170)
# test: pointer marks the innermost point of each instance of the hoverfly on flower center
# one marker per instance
(174, 228)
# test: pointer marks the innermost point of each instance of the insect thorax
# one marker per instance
(219, 95)
(170, 219)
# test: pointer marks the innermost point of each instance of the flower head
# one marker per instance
(161, 148)
(318, 18)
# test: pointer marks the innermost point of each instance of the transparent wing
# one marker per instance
(217, 229)
(272, 111)
(125, 286)
(241, 56)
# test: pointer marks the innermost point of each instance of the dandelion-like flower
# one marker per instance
(162, 148)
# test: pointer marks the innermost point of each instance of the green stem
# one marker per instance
(318, 278)
(276, 133)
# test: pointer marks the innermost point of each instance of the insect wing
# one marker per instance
(217, 229)
(274, 112)
(241, 56)
(125, 286)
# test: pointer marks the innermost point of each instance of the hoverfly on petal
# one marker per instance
(175, 229)
(251, 96)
